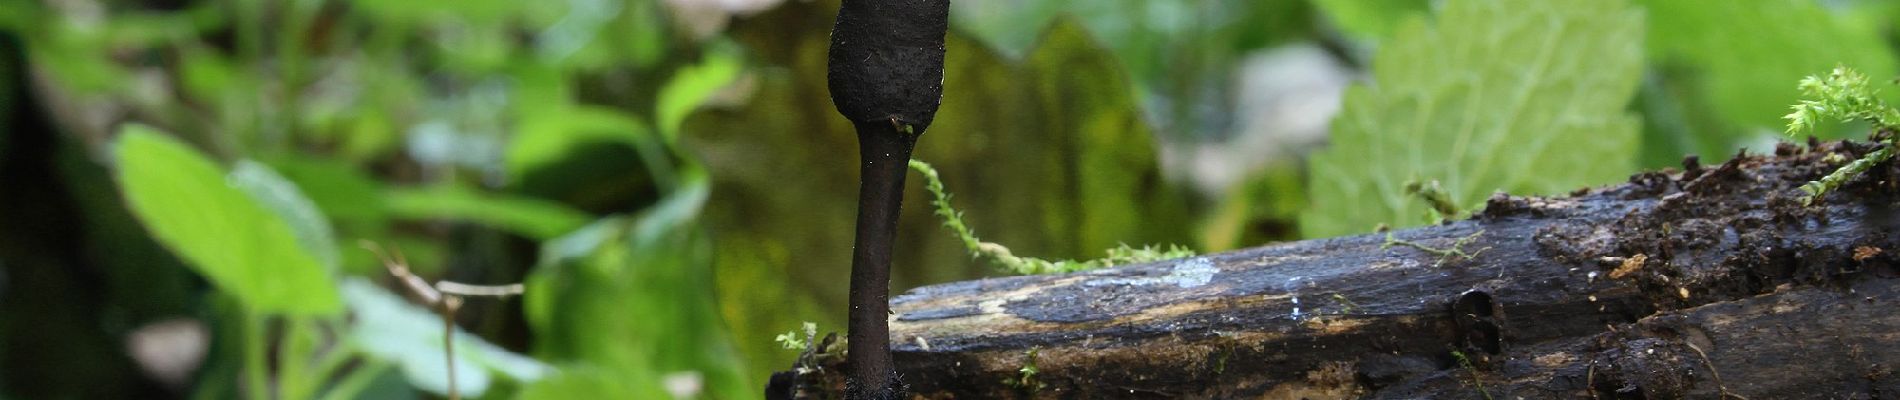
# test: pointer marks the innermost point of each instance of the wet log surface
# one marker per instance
(1707, 282)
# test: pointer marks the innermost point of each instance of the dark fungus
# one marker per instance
(886, 76)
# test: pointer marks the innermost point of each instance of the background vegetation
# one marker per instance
(187, 181)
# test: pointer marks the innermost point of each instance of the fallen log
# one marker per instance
(1699, 283)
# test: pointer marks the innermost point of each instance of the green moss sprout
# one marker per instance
(1004, 260)
(1843, 95)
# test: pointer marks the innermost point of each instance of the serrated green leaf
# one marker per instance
(1519, 96)
(391, 329)
(1746, 56)
(243, 248)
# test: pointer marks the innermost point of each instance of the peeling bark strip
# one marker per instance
(1725, 285)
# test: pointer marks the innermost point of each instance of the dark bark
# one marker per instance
(1648, 289)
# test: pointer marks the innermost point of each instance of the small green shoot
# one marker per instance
(1456, 251)
(1346, 304)
(1475, 379)
(1027, 381)
(1844, 95)
(1000, 256)
(1434, 196)
(792, 341)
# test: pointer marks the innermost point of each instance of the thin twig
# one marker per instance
(399, 268)
(444, 297)
(449, 305)
(467, 290)
(1713, 372)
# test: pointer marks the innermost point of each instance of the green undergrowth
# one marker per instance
(1843, 95)
(1004, 260)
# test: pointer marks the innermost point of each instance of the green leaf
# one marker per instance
(1520, 96)
(242, 247)
(545, 138)
(284, 199)
(1745, 54)
(529, 217)
(691, 86)
(391, 329)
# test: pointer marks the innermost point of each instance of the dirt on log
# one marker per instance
(1708, 282)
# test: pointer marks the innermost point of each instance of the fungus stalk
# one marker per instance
(886, 76)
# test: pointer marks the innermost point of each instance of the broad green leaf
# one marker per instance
(1744, 57)
(393, 330)
(242, 247)
(635, 296)
(1525, 97)
(284, 199)
(529, 217)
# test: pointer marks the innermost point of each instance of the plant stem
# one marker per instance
(256, 368)
(292, 381)
(331, 361)
(359, 378)
(1834, 180)
(449, 304)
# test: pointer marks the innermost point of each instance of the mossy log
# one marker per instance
(1707, 282)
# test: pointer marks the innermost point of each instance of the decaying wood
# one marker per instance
(1708, 282)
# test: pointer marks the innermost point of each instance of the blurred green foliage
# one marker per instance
(1049, 155)
(236, 241)
(1372, 21)
(1453, 103)
(675, 191)
(1179, 53)
(1734, 82)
